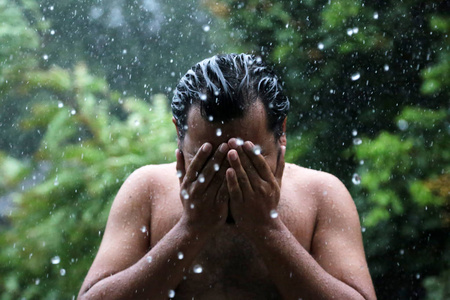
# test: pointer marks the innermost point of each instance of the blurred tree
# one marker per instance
(84, 156)
(358, 74)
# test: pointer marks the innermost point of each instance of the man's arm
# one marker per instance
(124, 268)
(336, 269)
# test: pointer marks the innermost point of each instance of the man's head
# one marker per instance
(224, 87)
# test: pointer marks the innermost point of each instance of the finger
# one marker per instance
(258, 161)
(222, 195)
(280, 165)
(218, 178)
(198, 162)
(248, 167)
(241, 175)
(234, 189)
(180, 165)
(210, 170)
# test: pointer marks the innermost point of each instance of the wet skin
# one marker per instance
(312, 250)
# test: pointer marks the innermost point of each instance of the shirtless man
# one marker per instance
(229, 220)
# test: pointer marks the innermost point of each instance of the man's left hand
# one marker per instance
(254, 189)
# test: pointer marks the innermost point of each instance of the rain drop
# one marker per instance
(356, 179)
(356, 76)
(201, 178)
(386, 67)
(192, 205)
(206, 28)
(273, 214)
(37, 281)
(73, 112)
(216, 167)
(363, 229)
(184, 194)
(375, 15)
(349, 32)
(203, 97)
(60, 104)
(357, 141)
(45, 56)
(239, 142)
(52, 32)
(257, 150)
(402, 125)
(179, 173)
(62, 272)
(180, 255)
(320, 46)
(197, 269)
(144, 229)
(55, 260)
(210, 118)
(219, 132)
(354, 132)
(149, 259)
(171, 293)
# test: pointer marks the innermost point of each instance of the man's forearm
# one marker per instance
(294, 271)
(159, 271)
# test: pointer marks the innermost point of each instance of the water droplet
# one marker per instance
(357, 141)
(216, 167)
(356, 76)
(375, 15)
(210, 118)
(203, 97)
(354, 132)
(124, 51)
(356, 179)
(363, 229)
(239, 142)
(180, 255)
(402, 252)
(73, 112)
(273, 214)
(179, 173)
(184, 194)
(355, 30)
(402, 125)
(349, 31)
(45, 57)
(56, 182)
(149, 259)
(55, 260)
(37, 281)
(51, 7)
(258, 59)
(62, 272)
(144, 229)
(361, 162)
(52, 32)
(417, 276)
(192, 205)
(197, 269)
(60, 104)
(136, 123)
(386, 67)
(219, 132)
(206, 28)
(320, 46)
(171, 293)
(257, 150)
(201, 178)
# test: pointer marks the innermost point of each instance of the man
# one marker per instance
(236, 223)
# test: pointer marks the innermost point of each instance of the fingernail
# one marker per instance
(233, 155)
(223, 148)
(206, 147)
(233, 143)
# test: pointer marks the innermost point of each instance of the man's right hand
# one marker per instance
(203, 188)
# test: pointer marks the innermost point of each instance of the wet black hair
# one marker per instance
(224, 86)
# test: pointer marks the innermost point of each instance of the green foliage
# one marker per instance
(85, 155)
(369, 87)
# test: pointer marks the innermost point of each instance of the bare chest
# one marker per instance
(229, 266)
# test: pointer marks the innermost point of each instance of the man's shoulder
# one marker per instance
(298, 175)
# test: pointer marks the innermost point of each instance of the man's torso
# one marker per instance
(229, 267)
